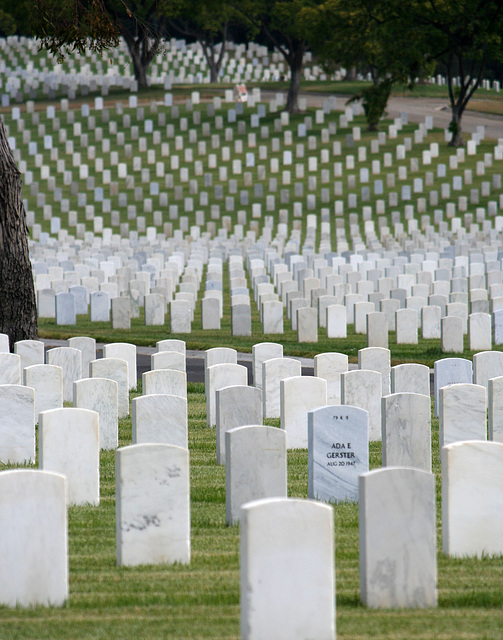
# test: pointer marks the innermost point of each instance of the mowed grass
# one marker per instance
(201, 600)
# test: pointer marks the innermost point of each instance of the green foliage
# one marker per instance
(64, 26)
(374, 100)
(7, 23)
(74, 25)
(463, 37)
(14, 17)
(369, 36)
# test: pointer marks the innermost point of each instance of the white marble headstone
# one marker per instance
(472, 499)
(398, 558)
(69, 444)
(100, 395)
(406, 431)
(160, 418)
(287, 570)
(255, 459)
(152, 504)
(236, 406)
(338, 452)
(34, 545)
(298, 396)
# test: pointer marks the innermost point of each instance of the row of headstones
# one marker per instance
(478, 136)
(305, 296)
(338, 287)
(287, 395)
(54, 383)
(180, 62)
(138, 518)
(159, 415)
(298, 535)
(356, 307)
(82, 167)
(151, 288)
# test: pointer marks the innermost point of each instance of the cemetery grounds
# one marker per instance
(201, 600)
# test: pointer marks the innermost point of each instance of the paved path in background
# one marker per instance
(417, 109)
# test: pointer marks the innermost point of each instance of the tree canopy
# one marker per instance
(281, 23)
(462, 35)
(207, 21)
(69, 25)
(371, 36)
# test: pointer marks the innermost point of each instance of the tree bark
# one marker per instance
(455, 127)
(142, 54)
(18, 309)
(295, 60)
(140, 68)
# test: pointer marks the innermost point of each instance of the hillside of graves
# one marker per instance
(213, 203)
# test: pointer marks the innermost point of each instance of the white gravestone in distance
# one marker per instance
(495, 409)
(69, 444)
(218, 355)
(329, 366)
(273, 371)
(260, 353)
(398, 558)
(17, 424)
(47, 382)
(114, 369)
(462, 413)
(168, 360)
(152, 504)
(70, 360)
(100, 395)
(87, 347)
(255, 459)
(287, 570)
(34, 545)
(450, 371)
(220, 376)
(30, 351)
(160, 418)
(299, 395)
(406, 431)
(123, 351)
(487, 365)
(10, 368)
(338, 452)
(165, 381)
(236, 406)
(377, 359)
(410, 378)
(363, 388)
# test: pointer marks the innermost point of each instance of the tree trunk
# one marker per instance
(18, 310)
(351, 74)
(141, 58)
(214, 62)
(213, 58)
(295, 62)
(140, 69)
(455, 126)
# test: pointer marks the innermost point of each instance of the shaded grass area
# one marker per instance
(201, 600)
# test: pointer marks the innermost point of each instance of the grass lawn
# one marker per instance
(201, 600)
